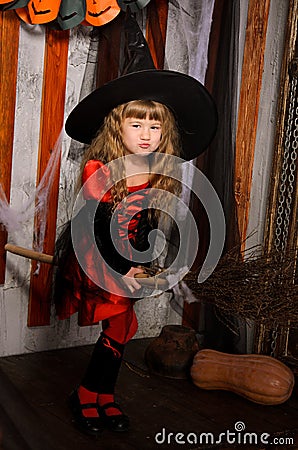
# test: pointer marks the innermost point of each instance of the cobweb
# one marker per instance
(13, 219)
(191, 21)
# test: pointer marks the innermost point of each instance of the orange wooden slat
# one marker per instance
(9, 45)
(156, 30)
(252, 69)
(52, 115)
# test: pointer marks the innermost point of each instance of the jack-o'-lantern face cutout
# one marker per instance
(100, 12)
(134, 5)
(43, 11)
(71, 13)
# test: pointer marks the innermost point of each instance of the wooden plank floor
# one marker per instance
(42, 421)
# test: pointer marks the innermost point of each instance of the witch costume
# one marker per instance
(85, 281)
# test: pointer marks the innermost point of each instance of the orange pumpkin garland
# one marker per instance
(98, 12)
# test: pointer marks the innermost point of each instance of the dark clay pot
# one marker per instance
(171, 353)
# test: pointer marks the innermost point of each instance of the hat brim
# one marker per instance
(190, 102)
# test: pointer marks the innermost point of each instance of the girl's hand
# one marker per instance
(130, 280)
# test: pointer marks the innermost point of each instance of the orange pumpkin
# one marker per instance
(100, 12)
(259, 378)
(43, 11)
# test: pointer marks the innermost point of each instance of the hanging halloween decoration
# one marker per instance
(66, 14)
(23, 14)
(134, 5)
(71, 14)
(4, 7)
(100, 12)
(43, 11)
(13, 5)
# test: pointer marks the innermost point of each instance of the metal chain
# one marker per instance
(287, 179)
(274, 341)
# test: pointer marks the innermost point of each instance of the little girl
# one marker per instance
(130, 133)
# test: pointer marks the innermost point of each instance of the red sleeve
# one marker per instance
(95, 180)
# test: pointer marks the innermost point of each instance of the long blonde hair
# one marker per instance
(108, 144)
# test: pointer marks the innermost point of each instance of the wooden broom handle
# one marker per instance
(27, 253)
(43, 257)
(142, 275)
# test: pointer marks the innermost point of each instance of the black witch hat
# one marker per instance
(189, 101)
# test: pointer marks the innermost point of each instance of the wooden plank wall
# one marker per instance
(53, 110)
(51, 123)
(9, 46)
(250, 91)
(52, 117)
(290, 55)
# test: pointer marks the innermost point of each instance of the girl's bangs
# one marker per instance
(141, 109)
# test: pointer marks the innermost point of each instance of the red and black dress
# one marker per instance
(92, 294)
